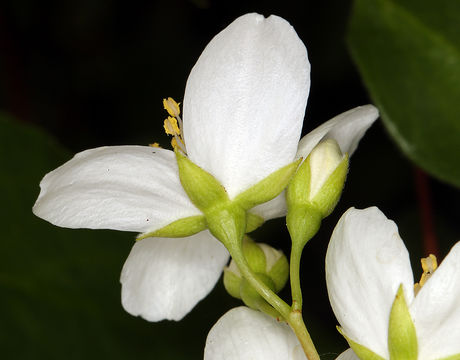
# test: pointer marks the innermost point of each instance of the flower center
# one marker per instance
(429, 266)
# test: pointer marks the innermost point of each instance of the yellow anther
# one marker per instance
(178, 144)
(174, 143)
(155, 144)
(171, 106)
(171, 126)
(429, 266)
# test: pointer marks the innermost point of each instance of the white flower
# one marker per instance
(243, 110)
(243, 333)
(366, 263)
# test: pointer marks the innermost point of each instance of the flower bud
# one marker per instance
(269, 264)
(320, 179)
(315, 189)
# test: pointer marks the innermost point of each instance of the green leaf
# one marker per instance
(408, 53)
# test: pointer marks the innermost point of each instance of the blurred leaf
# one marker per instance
(408, 52)
(60, 293)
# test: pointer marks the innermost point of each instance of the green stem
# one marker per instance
(294, 269)
(298, 326)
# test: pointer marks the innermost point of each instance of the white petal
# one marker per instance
(165, 278)
(436, 310)
(347, 355)
(272, 209)
(366, 262)
(245, 101)
(131, 188)
(347, 129)
(246, 334)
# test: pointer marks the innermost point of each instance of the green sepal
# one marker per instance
(361, 351)
(451, 357)
(298, 191)
(402, 339)
(268, 188)
(232, 283)
(254, 300)
(203, 189)
(180, 228)
(254, 256)
(228, 224)
(327, 198)
(253, 221)
(279, 273)
(303, 222)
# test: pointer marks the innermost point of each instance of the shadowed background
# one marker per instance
(77, 75)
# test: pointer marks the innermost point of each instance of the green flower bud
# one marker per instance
(320, 179)
(232, 280)
(276, 266)
(270, 265)
(315, 190)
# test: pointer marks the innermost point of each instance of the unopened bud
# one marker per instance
(315, 189)
(269, 264)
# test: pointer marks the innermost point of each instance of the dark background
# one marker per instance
(93, 73)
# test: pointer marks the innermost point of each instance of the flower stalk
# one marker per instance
(292, 315)
(294, 271)
(297, 325)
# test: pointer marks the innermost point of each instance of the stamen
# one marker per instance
(177, 143)
(171, 127)
(429, 266)
(173, 124)
(155, 144)
(171, 106)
